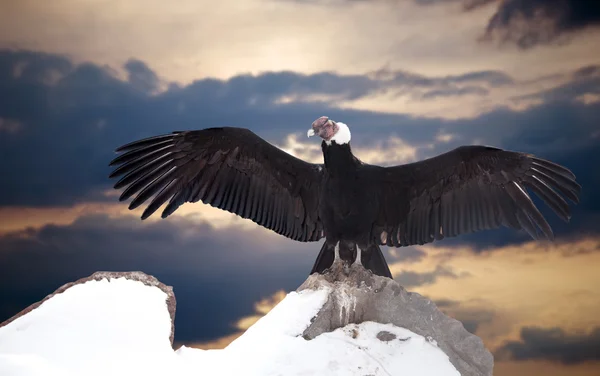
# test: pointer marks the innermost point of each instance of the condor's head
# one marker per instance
(330, 130)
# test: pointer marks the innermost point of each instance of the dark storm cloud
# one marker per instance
(217, 275)
(401, 78)
(585, 81)
(528, 23)
(552, 344)
(589, 71)
(31, 68)
(415, 279)
(472, 317)
(61, 122)
(140, 76)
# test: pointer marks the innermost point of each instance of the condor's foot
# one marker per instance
(357, 265)
(339, 266)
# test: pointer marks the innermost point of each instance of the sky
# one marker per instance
(411, 78)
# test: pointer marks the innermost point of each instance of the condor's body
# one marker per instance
(350, 201)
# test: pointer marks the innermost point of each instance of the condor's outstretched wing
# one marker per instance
(229, 168)
(468, 189)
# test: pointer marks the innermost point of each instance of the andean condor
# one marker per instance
(353, 205)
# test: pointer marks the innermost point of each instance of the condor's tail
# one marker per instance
(324, 259)
(371, 259)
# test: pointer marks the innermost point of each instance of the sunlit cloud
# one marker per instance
(447, 96)
(588, 98)
(460, 98)
(225, 38)
(19, 218)
(390, 151)
(262, 307)
(522, 282)
(443, 137)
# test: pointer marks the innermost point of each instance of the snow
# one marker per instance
(76, 332)
(122, 327)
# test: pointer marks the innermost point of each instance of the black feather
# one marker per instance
(134, 154)
(143, 170)
(145, 141)
(144, 180)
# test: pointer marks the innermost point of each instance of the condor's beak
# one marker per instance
(311, 132)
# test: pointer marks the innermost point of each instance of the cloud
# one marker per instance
(468, 4)
(553, 344)
(218, 275)
(261, 308)
(141, 76)
(455, 92)
(472, 316)
(528, 23)
(85, 111)
(390, 151)
(406, 254)
(473, 4)
(272, 35)
(421, 87)
(512, 286)
(404, 78)
(584, 82)
(414, 279)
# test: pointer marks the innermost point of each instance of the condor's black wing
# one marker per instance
(229, 168)
(468, 189)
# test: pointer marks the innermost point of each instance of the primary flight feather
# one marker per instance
(355, 206)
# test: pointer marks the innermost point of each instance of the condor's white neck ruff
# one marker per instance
(342, 136)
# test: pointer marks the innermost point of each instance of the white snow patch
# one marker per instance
(96, 328)
(122, 327)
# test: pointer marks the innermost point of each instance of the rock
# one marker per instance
(347, 321)
(135, 276)
(356, 296)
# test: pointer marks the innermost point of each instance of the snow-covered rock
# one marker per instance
(121, 324)
(357, 296)
(105, 324)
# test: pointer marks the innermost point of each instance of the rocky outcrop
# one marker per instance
(354, 323)
(146, 279)
(356, 296)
